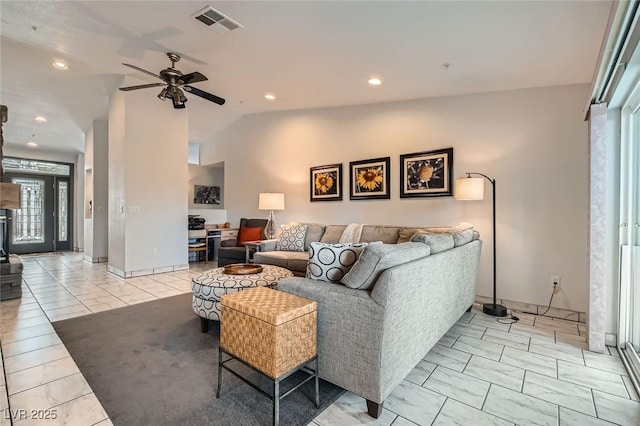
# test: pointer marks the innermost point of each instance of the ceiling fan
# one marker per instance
(175, 80)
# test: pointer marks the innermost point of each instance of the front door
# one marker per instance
(31, 228)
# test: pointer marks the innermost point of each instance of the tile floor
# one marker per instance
(482, 372)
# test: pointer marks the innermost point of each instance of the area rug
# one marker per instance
(149, 364)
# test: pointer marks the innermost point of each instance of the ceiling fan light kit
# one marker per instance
(175, 81)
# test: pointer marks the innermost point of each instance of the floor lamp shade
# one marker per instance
(270, 201)
(469, 189)
(472, 189)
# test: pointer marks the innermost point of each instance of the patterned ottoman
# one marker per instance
(208, 287)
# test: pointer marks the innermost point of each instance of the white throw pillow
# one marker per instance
(291, 238)
(330, 262)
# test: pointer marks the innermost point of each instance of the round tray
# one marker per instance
(242, 269)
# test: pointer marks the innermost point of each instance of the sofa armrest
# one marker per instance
(267, 245)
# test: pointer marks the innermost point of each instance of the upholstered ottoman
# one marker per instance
(208, 287)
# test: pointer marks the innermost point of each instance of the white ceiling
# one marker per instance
(309, 53)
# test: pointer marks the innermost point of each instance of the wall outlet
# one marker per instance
(555, 281)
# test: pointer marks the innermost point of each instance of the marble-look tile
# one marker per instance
(507, 339)
(22, 346)
(573, 418)
(106, 306)
(105, 422)
(533, 332)
(41, 374)
(51, 394)
(454, 413)
(489, 321)
(351, 409)
(529, 361)
(563, 314)
(572, 339)
(520, 409)
(562, 351)
(479, 347)
(8, 326)
(466, 317)
(72, 301)
(26, 333)
(33, 358)
(69, 312)
(458, 386)
(613, 351)
(421, 372)
(85, 410)
(559, 392)
(617, 410)
(21, 314)
(608, 363)
(495, 372)
(449, 339)
(592, 378)
(415, 403)
(448, 357)
(470, 330)
(630, 389)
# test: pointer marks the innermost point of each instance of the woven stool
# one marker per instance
(271, 332)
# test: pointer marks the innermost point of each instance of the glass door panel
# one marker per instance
(63, 214)
(31, 228)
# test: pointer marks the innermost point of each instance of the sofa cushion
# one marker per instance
(284, 259)
(386, 234)
(332, 234)
(292, 237)
(437, 242)
(405, 234)
(330, 262)
(315, 232)
(376, 258)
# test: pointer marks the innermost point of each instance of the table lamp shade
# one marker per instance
(471, 189)
(271, 201)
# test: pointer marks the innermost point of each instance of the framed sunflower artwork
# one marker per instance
(370, 179)
(426, 174)
(326, 183)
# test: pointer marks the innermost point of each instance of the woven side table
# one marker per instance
(271, 332)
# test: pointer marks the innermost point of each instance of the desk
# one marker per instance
(216, 235)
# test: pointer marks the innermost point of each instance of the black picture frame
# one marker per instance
(325, 183)
(370, 179)
(427, 174)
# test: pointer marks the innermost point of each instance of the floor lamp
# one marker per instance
(472, 188)
(270, 201)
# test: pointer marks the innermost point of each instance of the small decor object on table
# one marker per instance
(272, 332)
(242, 269)
(370, 179)
(326, 183)
(426, 174)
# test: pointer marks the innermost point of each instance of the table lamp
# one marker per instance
(270, 201)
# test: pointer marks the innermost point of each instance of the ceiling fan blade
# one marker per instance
(193, 77)
(142, 70)
(141, 86)
(205, 95)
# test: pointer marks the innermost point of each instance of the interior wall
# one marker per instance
(208, 176)
(97, 192)
(533, 142)
(147, 174)
(88, 193)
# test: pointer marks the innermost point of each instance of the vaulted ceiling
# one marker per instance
(310, 54)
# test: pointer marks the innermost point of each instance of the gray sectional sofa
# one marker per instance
(369, 340)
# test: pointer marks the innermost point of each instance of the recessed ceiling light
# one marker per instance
(60, 65)
(375, 81)
(270, 97)
(40, 119)
(31, 144)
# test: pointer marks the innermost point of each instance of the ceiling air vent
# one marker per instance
(216, 20)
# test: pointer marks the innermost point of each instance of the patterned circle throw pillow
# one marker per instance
(330, 262)
(291, 238)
